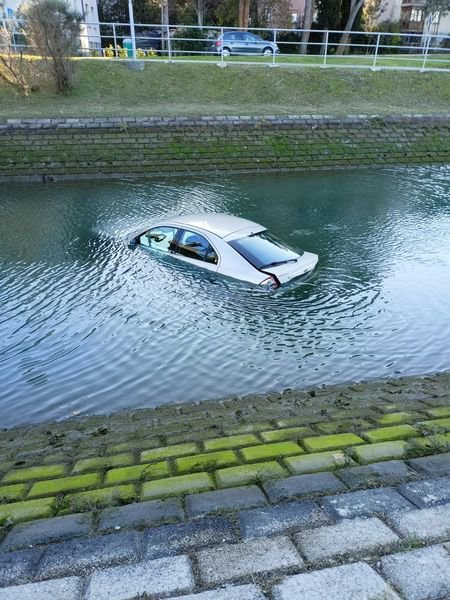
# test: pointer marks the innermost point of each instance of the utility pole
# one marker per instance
(133, 37)
(164, 23)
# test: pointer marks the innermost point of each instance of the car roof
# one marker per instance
(220, 224)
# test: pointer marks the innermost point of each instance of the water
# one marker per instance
(88, 325)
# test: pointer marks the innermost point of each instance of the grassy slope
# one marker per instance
(107, 88)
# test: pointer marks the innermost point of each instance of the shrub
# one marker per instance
(195, 44)
(54, 30)
(13, 68)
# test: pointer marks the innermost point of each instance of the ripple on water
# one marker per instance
(87, 324)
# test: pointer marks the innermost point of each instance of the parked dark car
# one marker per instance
(149, 39)
(242, 42)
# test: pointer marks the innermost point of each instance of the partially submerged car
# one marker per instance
(228, 245)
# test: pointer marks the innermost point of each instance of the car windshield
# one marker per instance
(264, 250)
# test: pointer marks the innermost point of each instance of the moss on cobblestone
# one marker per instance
(31, 473)
(242, 475)
(382, 451)
(137, 472)
(434, 444)
(439, 411)
(322, 461)
(206, 462)
(435, 426)
(398, 418)
(112, 496)
(344, 426)
(12, 492)
(176, 486)
(24, 511)
(386, 434)
(64, 484)
(102, 462)
(169, 452)
(331, 442)
(291, 433)
(215, 438)
(264, 451)
(233, 441)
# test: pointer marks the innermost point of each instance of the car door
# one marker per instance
(159, 238)
(240, 45)
(196, 249)
(253, 44)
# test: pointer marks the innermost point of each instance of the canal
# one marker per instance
(89, 326)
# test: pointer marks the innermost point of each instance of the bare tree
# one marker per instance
(307, 21)
(14, 70)
(200, 11)
(54, 29)
(355, 7)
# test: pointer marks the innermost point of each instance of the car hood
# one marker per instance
(291, 270)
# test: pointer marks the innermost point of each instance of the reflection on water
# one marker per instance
(88, 325)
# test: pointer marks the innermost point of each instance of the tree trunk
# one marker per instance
(324, 41)
(244, 11)
(200, 10)
(307, 19)
(355, 7)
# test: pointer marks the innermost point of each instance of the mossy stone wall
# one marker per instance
(52, 149)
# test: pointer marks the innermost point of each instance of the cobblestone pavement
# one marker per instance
(339, 492)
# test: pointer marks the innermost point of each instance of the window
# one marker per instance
(416, 15)
(193, 245)
(160, 238)
(264, 249)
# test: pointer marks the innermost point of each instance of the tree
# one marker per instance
(54, 29)
(329, 16)
(271, 13)
(244, 12)
(13, 67)
(437, 6)
(307, 22)
(355, 7)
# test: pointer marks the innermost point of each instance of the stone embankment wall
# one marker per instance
(52, 149)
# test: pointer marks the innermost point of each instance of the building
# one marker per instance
(411, 14)
(90, 30)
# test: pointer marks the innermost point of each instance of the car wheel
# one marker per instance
(226, 52)
(267, 51)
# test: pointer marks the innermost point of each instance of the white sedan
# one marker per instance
(228, 245)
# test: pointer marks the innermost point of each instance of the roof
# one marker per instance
(220, 224)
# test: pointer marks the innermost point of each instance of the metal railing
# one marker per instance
(278, 47)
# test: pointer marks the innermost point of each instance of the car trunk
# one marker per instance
(290, 270)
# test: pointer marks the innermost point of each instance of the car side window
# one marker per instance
(160, 238)
(193, 245)
(249, 37)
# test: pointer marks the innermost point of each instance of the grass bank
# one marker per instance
(109, 88)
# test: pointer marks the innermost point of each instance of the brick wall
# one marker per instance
(52, 149)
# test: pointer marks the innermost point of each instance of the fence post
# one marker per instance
(326, 50)
(115, 39)
(221, 47)
(426, 53)
(374, 66)
(169, 43)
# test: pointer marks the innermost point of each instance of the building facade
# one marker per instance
(90, 29)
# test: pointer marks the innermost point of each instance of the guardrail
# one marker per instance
(277, 47)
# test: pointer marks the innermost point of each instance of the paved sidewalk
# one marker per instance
(345, 499)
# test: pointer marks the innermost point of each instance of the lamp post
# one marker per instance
(133, 37)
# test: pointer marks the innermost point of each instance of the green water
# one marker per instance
(88, 325)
